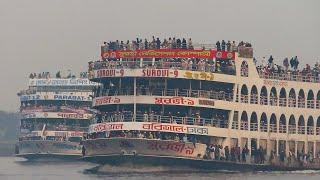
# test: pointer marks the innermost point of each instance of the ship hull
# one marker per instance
(120, 151)
(42, 149)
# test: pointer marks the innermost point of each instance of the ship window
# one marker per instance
(75, 139)
(301, 99)
(292, 125)
(263, 123)
(273, 97)
(283, 97)
(318, 126)
(273, 123)
(310, 125)
(310, 99)
(254, 95)
(244, 121)
(292, 98)
(301, 125)
(264, 96)
(282, 124)
(254, 122)
(244, 94)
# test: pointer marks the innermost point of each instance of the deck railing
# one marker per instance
(289, 77)
(218, 95)
(184, 65)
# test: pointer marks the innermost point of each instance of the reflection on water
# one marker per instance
(16, 168)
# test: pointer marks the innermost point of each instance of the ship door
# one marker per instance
(253, 145)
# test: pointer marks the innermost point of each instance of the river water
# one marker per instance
(16, 168)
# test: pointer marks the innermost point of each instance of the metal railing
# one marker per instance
(213, 122)
(187, 120)
(218, 95)
(253, 99)
(289, 77)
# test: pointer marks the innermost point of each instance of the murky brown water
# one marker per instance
(16, 168)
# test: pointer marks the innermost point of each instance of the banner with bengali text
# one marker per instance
(168, 53)
(149, 126)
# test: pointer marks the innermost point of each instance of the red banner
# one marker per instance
(168, 53)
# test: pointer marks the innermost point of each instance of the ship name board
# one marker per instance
(274, 83)
(159, 73)
(106, 100)
(152, 72)
(71, 115)
(60, 82)
(148, 126)
(68, 97)
(110, 72)
(52, 96)
(206, 102)
(174, 101)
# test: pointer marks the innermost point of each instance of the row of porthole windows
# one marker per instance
(282, 100)
(281, 125)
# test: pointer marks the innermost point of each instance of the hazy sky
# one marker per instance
(47, 35)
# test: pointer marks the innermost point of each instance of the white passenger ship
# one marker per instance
(55, 112)
(202, 107)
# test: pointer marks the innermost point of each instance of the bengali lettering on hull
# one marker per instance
(160, 100)
(154, 147)
(150, 72)
(56, 115)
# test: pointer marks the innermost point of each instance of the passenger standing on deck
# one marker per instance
(211, 151)
(158, 42)
(190, 46)
(286, 63)
(227, 153)
(238, 153)
(184, 43)
(178, 43)
(229, 46)
(234, 46)
(218, 46)
(223, 45)
(270, 61)
(244, 154)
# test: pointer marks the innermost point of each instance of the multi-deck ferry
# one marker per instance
(55, 112)
(208, 107)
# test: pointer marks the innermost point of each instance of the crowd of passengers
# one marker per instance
(53, 108)
(217, 119)
(170, 43)
(214, 93)
(205, 65)
(47, 75)
(38, 126)
(289, 67)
